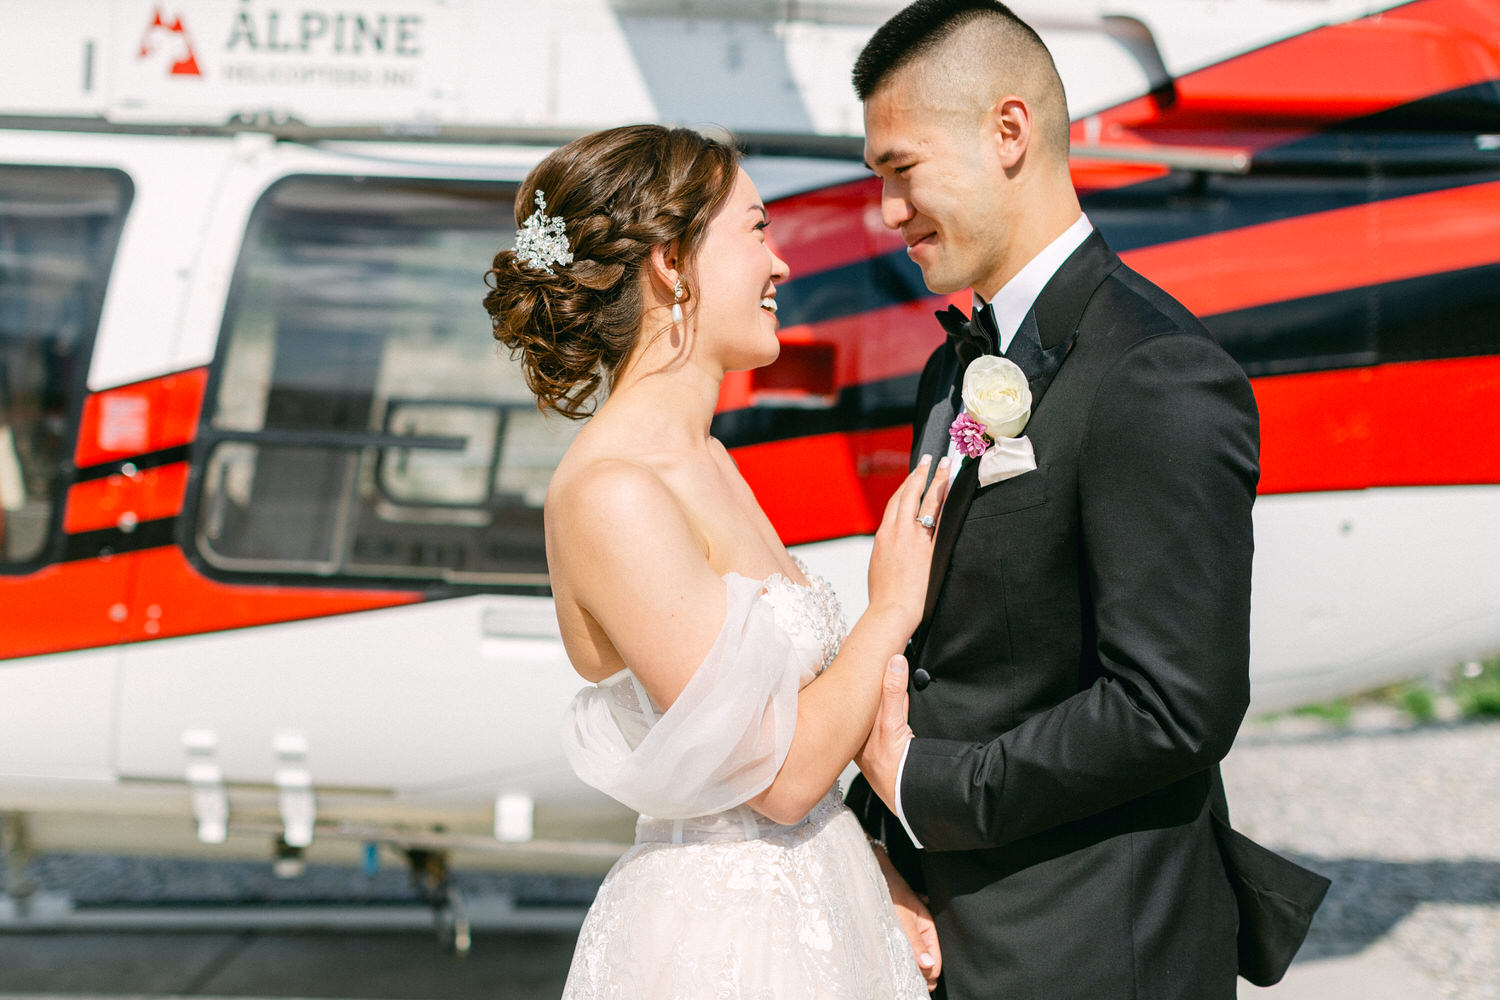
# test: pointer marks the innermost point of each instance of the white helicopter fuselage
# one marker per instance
(278, 575)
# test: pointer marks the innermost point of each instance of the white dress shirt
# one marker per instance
(1008, 308)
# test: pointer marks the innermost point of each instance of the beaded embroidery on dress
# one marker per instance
(813, 610)
(721, 902)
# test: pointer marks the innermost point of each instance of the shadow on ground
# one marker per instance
(1368, 898)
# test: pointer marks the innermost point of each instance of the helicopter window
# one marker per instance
(364, 422)
(59, 228)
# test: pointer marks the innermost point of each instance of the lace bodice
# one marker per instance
(688, 771)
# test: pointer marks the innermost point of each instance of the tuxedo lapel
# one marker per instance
(1060, 305)
(932, 437)
(1039, 363)
(1050, 328)
(955, 509)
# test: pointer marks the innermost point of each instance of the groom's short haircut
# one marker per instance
(969, 39)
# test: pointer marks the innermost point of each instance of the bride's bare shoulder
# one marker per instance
(614, 513)
(603, 483)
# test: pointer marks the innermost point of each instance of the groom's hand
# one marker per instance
(884, 747)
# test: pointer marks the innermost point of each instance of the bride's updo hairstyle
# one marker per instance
(619, 193)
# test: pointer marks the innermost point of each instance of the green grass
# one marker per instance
(1334, 712)
(1418, 701)
(1478, 691)
(1474, 688)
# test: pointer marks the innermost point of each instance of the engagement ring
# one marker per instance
(927, 521)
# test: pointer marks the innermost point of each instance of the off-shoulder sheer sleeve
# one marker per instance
(724, 738)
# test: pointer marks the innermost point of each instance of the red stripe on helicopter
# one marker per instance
(141, 417)
(831, 227)
(204, 605)
(124, 500)
(1300, 85)
(1346, 70)
(78, 605)
(1290, 89)
(1382, 426)
(855, 474)
(1387, 425)
(1328, 75)
(1310, 255)
(1296, 258)
(819, 359)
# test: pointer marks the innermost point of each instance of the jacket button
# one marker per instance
(920, 678)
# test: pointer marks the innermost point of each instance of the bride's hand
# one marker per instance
(916, 921)
(902, 557)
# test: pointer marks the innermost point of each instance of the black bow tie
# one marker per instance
(972, 336)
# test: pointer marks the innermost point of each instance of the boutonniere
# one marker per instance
(997, 405)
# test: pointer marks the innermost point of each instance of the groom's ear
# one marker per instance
(1008, 129)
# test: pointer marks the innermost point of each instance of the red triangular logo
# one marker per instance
(185, 66)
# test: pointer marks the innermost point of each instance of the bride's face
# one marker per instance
(737, 274)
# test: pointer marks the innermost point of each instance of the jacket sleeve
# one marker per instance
(1167, 475)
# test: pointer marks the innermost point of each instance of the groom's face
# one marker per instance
(939, 183)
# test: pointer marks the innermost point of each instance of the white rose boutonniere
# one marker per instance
(996, 394)
(997, 405)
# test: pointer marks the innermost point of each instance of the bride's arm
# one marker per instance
(621, 547)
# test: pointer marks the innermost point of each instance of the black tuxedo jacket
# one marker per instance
(1083, 664)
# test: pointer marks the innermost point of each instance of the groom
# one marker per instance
(1083, 662)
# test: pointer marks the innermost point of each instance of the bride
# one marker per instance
(726, 696)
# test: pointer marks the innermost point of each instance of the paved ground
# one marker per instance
(1380, 972)
(1406, 821)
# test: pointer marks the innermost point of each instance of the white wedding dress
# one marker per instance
(715, 900)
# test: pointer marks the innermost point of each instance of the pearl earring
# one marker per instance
(677, 302)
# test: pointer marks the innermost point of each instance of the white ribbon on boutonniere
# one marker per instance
(997, 405)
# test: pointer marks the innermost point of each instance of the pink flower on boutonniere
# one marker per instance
(968, 435)
(997, 406)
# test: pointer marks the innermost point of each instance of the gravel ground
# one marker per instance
(1404, 819)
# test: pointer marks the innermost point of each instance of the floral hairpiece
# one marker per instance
(541, 242)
